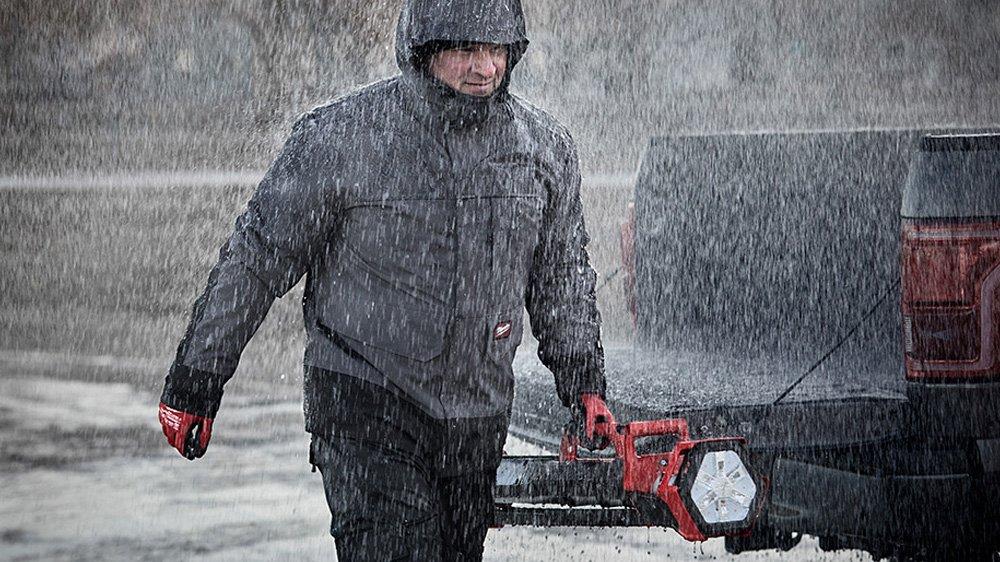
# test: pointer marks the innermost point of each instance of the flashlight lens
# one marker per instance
(723, 490)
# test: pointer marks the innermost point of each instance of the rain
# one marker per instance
(769, 230)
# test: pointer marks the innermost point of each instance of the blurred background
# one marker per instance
(182, 85)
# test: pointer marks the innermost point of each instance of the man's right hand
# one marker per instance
(187, 433)
(597, 418)
(596, 413)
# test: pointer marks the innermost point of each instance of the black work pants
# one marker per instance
(402, 485)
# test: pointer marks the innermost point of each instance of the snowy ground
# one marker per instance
(85, 475)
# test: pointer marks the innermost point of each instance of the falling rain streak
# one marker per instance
(763, 149)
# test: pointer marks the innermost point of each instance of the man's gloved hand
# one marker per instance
(187, 433)
(596, 413)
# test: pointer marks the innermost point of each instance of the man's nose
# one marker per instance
(483, 65)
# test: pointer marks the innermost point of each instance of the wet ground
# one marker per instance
(86, 475)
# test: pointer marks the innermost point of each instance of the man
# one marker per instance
(425, 212)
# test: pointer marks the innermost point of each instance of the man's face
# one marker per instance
(476, 69)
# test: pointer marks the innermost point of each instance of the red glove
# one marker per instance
(596, 413)
(187, 433)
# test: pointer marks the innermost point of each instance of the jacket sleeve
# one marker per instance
(561, 296)
(284, 224)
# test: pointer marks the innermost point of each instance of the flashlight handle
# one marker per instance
(626, 438)
(675, 426)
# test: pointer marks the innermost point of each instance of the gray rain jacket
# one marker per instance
(424, 221)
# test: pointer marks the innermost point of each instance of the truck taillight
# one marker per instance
(951, 259)
(950, 279)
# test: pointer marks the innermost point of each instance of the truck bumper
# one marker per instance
(954, 411)
(899, 509)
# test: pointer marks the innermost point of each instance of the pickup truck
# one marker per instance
(829, 297)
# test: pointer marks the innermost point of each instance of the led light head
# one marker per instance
(723, 490)
(718, 488)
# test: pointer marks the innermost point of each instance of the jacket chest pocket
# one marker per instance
(515, 224)
(516, 207)
(500, 216)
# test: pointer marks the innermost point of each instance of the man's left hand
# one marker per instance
(598, 420)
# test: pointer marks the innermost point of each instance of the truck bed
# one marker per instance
(854, 392)
(761, 258)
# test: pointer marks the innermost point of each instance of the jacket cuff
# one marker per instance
(193, 391)
(571, 385)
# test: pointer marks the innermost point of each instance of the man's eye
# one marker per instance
(488, 49)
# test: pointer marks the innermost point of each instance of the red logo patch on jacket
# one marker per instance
(502, 330)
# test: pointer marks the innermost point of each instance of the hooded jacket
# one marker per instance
(424, 220)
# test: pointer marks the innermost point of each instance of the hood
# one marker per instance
(477, 21)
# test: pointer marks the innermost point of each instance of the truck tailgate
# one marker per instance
(853, 394)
